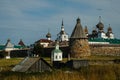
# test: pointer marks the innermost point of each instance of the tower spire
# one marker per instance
(100, 19)
(62, 26)
(62, 23)
(48, 35)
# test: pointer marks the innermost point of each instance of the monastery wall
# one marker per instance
(111, 50)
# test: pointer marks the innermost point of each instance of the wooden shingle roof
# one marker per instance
(21, 43)
(78, 31)
(27, 63)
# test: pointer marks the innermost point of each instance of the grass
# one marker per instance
(7, 64)
(92, 72)
(103, 72)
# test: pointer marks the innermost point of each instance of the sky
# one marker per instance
(30, 20)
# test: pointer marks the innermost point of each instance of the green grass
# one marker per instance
(92, 72)
(7, 64)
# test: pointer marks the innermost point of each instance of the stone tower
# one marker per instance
(79, 46)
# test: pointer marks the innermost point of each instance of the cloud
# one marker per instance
(33, 18)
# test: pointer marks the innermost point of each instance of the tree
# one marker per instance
(38, 49)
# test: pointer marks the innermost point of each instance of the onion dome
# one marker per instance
(78, 20)
(100, 25)
(94, 31)
(56, 50)
(109, 29)
(8, 40)
(86, 30)
(48, 35)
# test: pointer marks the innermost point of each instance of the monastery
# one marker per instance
(81, 43)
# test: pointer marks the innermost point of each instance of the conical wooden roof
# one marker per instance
(78, 31)
(21, 43)
(9, 44)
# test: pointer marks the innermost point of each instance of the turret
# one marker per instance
(62, 35)
(48, 35)
(109, 33)
(79, 46)
(86, 31)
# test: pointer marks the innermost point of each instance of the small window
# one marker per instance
(59, 57)
(64, 36)
(56, 57)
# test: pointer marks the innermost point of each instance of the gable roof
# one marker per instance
(78, 31)
(26, 64)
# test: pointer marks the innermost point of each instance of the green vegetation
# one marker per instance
(8, 64)
(92, 72)
(38, 49)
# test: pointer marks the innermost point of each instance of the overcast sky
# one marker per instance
(30, 20)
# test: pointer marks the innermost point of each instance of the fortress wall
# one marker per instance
(111, 50)
(105, 50)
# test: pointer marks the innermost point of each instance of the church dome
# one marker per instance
(48, 35)
(109, 29)
(94, 31)
(78, 20)
(100, 25)
(56, 51)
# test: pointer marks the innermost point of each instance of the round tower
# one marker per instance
(79, 46)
